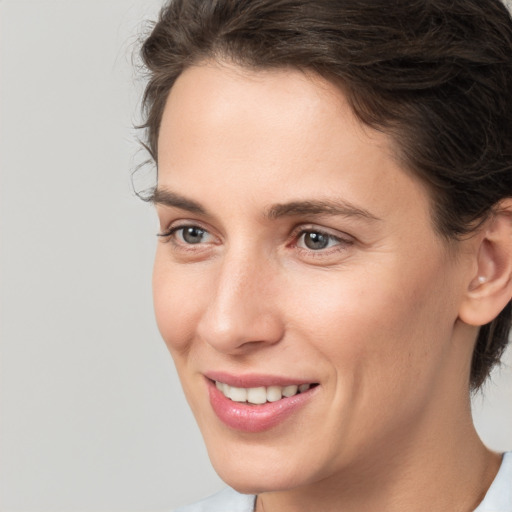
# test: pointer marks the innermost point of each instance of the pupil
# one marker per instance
(193, 235)
(316, 241)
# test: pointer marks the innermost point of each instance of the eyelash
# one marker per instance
(296, 236)
(340, 243)
(169, 234)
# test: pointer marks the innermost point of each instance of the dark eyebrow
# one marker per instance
(325, 207)
(167, 198)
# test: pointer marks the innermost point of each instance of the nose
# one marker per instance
(241, 313)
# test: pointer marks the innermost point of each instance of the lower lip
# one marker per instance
(255, 418)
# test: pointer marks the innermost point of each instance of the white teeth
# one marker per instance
(260, 395)
(237, 394)
(290, 390)
(274, 393)
(257, 395)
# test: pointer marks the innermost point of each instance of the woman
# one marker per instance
(334, 271)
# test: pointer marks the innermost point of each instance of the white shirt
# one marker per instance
(499, 495)
(497, 499)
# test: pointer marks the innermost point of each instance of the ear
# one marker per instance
(490, 287)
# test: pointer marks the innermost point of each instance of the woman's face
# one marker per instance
(297, 251)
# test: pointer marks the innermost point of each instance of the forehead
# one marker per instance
(280, 83)
(262, 103)
(215, 104)
(278, 135)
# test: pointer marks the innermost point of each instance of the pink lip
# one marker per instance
(255, 418)
(254, 380)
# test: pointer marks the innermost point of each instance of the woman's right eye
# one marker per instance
(191, 234)
(188, 235)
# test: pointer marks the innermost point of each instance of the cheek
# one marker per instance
(382, 340)
(177, 308)
(375, 324)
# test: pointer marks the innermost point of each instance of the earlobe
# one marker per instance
(490, 288)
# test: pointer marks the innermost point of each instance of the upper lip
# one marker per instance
(254, 380)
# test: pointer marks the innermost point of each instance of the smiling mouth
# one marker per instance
(262, 394)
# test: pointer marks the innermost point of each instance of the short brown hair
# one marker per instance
(435, 75)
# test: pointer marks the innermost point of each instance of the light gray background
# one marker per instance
(92, 417)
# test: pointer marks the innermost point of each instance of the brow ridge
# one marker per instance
(165, 197)
(322, 207)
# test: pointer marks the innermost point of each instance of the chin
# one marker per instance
(250, 480)
(257, 468)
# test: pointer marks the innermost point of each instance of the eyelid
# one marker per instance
(182, 224)
(314, 228)
(343, 239)
(329, 237)
(177, 223)
(327, 255)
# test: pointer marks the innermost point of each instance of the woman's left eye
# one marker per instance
(317, 240)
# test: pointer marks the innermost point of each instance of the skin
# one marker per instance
(375, 318)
